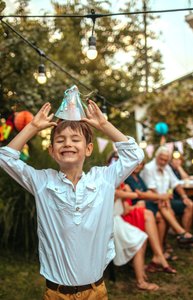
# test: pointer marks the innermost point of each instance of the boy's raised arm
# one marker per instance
(41, 121)
(96, 119)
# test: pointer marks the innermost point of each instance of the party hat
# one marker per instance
(71, 107)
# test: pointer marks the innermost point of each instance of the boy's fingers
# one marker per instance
(88, 114)
(93, 104)
(47, 104)
(47, 109)
(90, 108)
(51, 117)
(53, 124)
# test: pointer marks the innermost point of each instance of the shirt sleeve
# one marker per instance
(174, 181)
(130, 155)
(28, 177)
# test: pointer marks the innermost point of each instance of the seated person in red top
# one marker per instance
(132, 214)
(144, 219)
(159, 204)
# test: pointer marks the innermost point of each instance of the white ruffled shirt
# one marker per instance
(75, 226)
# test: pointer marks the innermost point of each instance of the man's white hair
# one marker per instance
(162, 150)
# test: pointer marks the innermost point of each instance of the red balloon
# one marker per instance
(22, 118)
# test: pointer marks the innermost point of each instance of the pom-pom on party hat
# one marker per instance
(71, 107)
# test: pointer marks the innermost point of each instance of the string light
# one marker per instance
(92, 51)
(143, 143)
(100, 15)
(176, 154)
(41, 77)
(42, 54)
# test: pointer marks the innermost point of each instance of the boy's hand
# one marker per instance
(96, 119)
(94, 115)
(42, 119)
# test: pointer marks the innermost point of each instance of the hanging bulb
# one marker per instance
(41, 78)
(176, 154)
(92, 52)
(143, 143)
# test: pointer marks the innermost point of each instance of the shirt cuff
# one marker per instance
(10, 152)
(124, 145)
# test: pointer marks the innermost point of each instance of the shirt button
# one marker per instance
(77, 208)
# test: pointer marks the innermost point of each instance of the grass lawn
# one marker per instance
(20, 280)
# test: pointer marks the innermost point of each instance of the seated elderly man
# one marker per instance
(160, 178)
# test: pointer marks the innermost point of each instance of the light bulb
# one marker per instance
(176, 154)
(92, 52)
(41, 78)
(143, 144)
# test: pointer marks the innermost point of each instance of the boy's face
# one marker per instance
(69, 148)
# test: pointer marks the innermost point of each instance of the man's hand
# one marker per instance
(163, 203)
(140, 194)
(186, 200)
(165, 197)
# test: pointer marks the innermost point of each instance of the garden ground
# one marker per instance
(20, 280)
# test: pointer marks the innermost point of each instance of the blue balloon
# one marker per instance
(161, 128)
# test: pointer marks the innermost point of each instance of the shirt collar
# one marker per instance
(62, 175)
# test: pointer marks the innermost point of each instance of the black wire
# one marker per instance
(93, 20)
(42, 54)
(100, 15)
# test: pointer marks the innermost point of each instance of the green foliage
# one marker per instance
(172, 105)
(17, 216)
(19, 89)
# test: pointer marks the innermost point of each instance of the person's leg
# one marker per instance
(151, 230)
(138, 265)
(187, 216)
(183, 210)
(161, 223)
(169, 216)
(162, 228)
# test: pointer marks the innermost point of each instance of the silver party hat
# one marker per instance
(71, 107)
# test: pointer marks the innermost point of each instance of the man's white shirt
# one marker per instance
(161, 181)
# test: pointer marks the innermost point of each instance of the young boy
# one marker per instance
(74, 209)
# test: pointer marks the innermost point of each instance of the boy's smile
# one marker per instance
(70, 148)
